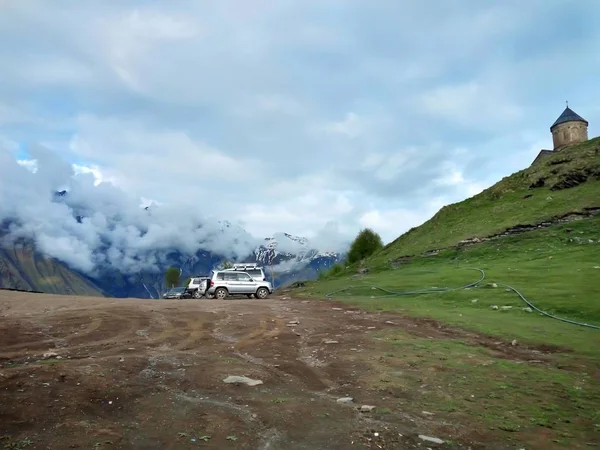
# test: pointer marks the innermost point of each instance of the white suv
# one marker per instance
(197, 286)
(224, 283)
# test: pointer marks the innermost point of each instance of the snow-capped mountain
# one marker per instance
(292, 258)
(127, 255)
(283, 249)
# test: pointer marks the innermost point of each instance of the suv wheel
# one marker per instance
(262, 292)
(197, 293)
(221, 293)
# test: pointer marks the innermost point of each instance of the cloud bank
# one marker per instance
(98, 225)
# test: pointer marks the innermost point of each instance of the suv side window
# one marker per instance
(255, 273)
(243, 277)
(230, 276)
(220, 276)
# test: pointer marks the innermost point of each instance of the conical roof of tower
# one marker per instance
(568, 115)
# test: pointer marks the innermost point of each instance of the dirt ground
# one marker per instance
(148, 374)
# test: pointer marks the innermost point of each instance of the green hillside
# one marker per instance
(568, 181)
(22, 268)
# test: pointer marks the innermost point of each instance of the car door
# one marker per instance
(231, 282)
(246, 284)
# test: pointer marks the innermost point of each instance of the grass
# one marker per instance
(555, 268)
(510, 202)
(470, 384)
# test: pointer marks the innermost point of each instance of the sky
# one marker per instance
(314, 117)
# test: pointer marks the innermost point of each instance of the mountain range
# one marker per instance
(25, 265)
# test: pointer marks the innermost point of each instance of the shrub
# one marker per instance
(365, 244)
(172, 277)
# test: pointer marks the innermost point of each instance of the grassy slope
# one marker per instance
(554, 268)
(503, 205)
(22, 268)
(558, 268)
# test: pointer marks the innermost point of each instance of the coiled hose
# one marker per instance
(389, 293)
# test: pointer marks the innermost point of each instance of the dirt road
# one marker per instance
(149, 375)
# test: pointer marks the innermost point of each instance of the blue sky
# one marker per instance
(292, 115)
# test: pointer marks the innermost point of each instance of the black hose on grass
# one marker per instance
(532, 306)
(389, 293)
(420, 291)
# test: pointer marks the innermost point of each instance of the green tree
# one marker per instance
(365, 244)
(172, 277)
(227, 265)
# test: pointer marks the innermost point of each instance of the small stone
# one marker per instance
(293, 322)
(367, 408)
(345, 400)
(596, 267)
(389, 322)
(528, 309)
(50, 355)
(475, 300)
(513, 342)
(431, 439)
(328, 341)
(338, 309)
(121, 359)
(427, 413)
(505, 308)
(494, 285)
(494, 306)
(245, 380)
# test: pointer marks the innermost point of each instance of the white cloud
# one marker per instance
(393, 222)
(112, 218)
(99, 177)
(472, 104)
(29, 164)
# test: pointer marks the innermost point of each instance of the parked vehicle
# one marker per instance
(178, 292)
(197, 286)
(228, 282)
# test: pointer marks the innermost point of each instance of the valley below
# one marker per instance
(98, 373)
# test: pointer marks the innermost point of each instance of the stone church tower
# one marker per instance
(569, 129)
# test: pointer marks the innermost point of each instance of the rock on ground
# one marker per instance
(244, 380)
(430, 439)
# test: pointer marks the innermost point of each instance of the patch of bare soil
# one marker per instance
(95, 373)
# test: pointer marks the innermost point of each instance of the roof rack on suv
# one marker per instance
(245, 266)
